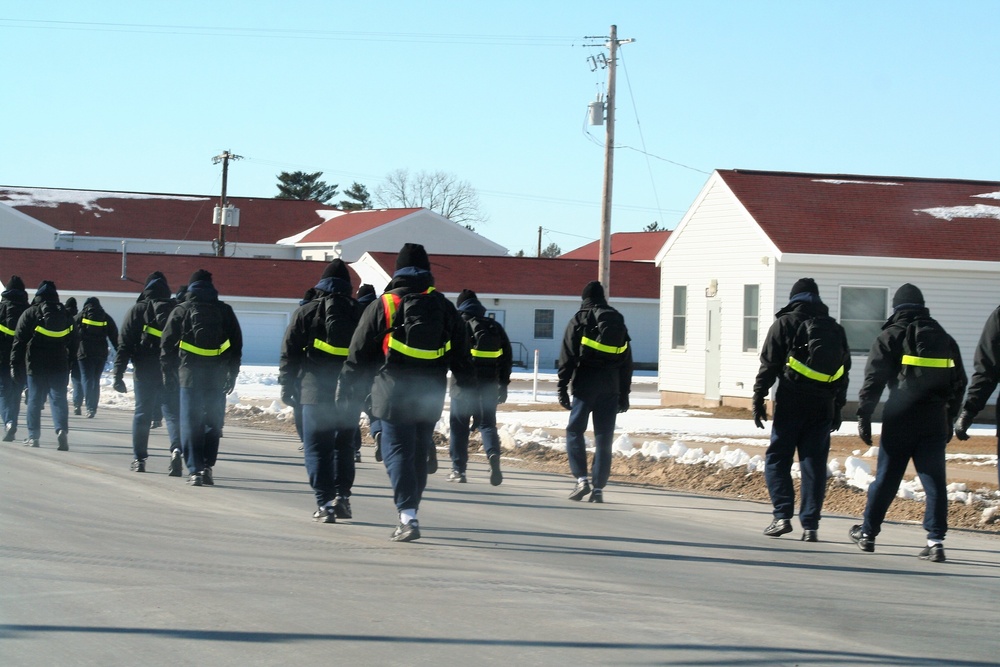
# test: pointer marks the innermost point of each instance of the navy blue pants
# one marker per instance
(808, 434)
(10, 398)
(91, 369)
(53, 386)
(150, 394)
(604, 410)
(895, 452)
(404, 452)
(77, 382)
(203, 411)
(328, 453)
(480, 406)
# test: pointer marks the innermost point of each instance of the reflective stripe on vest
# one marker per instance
(203, 352)
(486, 354)
(802, 369)
(9, 332)
(927, 362)
(601, 347)
(323, 346)
(153, 331)
(94, 323)
(390, 305)
(53, 334)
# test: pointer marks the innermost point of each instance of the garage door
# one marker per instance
(262, 334)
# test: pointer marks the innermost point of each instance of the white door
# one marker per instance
(713, 350)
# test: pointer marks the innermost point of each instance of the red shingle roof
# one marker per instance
(531, 275)
(162, 216)
(351, 224)
(874, 216)
(625, 246)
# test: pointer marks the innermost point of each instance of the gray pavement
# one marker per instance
(101, 566)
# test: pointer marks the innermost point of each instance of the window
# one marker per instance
(544, 319)
(751, 316)
(863, 311)
(680, 318)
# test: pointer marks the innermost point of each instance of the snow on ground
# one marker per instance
(687, 436)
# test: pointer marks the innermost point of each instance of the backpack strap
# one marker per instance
(94, 323)
(804, 370)
(390, 305)
(202, 351)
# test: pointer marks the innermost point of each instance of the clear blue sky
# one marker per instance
(139, 96)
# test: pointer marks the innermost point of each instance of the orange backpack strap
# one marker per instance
(390, 304)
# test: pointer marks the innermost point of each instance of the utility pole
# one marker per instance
(224, 158)
(539, 242)
(604, 247)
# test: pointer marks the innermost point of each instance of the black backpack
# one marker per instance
(604, 339)
(54, 329)
(93, 334)
(333, 327)
(927, 362)
(486, 341)
(205, 329)
(416, 335)
(154, 319)
(818, 352)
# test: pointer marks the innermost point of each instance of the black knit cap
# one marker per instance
(594, 291)
(201, 275)
(15, 282)
(337, 269)
(365, 290)
(413, 254)
(156, 275)
(804, 285)
(70, 302)
(465, 296)
(908, 295)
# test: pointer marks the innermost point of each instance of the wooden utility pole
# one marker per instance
(539, 242)
(224, 158)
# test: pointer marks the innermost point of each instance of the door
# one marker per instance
(713, 350)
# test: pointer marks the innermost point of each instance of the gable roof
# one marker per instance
(625, 247)
(163, 216)
(530, 276)
(92, 271)
(872, 216)
(353, 223)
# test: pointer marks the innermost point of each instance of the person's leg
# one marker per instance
(458, 436)
(143, 384)
(576, 443)
(317, 450)
(605, 412)
(38, 388)
(893, 457)
(169, 402)
(814, 452)
(399, 453)
(778, 459)
(215, 418)
(90, 376)
(192, 429)
(77, 381)
(344, 469)
(58, 402)
(488, 419)
(929, 460)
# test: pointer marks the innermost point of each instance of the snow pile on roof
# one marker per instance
(951, 212)
(48, 198)
(841, 181)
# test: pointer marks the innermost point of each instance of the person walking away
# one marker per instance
(922, 366)
(13, 302)
(42, 354)
(985, 376)
(313, 352)
(490, 355)
(200, 353)
(365, 295)
(139, 343)
(595, 365)
(94, 331)
(74, 369)
(807, 352)
(401, 353)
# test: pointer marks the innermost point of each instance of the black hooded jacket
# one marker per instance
(13, 302)
(136, 344)
(582, 379)
(986, 364)
(94, 330)
(35, 352)
(189, 369)
(777, 347)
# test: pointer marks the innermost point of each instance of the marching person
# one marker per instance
(365, 295)
(139, 343)
(13, 302)
(200, 353)
(42, 354)
(74, 368)
(401, 352)
(94, 331)
(490, 354)
(922, 366)
(595, 365)
(807, 352)
(985, 376)
(312, 354)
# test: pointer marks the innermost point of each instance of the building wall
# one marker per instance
(437, 235)
(170, 247)
(18, 230)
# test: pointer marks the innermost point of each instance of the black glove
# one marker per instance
(230, 382)
(289, 396)
(119, 385)
(622, 403)
(865, 429)
(837, 422)
(962, 425)
(564, 398)
(502, 394)
(759, 411)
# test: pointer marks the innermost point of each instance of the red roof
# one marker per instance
(101, 272)
(532, 275)
(354, 223)
(625, 247)
(163, 216)
(872, 216)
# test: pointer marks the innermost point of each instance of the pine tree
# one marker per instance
(303, 186)
(360, 199)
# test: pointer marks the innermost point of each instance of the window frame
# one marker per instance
(751, 319)
(537, 322)
(855, 327)
(679, 319)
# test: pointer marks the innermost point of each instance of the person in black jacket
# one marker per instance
(13, 302)
(312, 354)
(74, 368)
(925, 395)
(365, 295)
(807, 409)
(479, 403)
(139, 343)
(200, 352)
(599, 388)
(985, 376)
(94, 330)
(42, 354)
(407, 380)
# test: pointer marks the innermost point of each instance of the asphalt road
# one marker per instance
(101, 566)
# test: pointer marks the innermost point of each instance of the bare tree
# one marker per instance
(438, 191)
